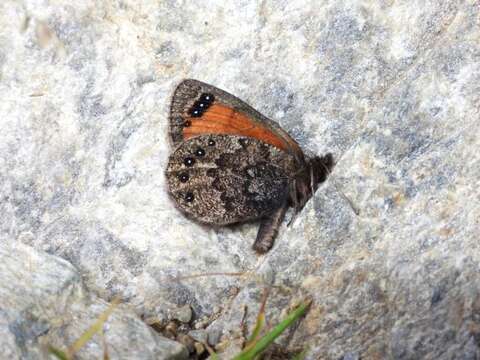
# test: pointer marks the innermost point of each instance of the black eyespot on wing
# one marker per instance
(211, 142)
(194, 112)
(200, 152)
(183, 177)
(207, 98)
(189, 161)
(201, 105)
(189, 197)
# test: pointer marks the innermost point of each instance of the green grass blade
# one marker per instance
(256, 331)
(249, 354)
(87, 335)
(92, 330)
(300, 356)
(59, 354)
(259, 324)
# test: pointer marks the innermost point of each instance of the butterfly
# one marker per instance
(230, 164)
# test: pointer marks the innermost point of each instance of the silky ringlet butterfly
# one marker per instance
(231, 164)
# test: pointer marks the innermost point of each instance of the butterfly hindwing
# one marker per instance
(225, 179)
(198, 108)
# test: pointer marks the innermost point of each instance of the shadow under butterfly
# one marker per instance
(230, 164)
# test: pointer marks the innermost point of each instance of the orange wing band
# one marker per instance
(221, 119)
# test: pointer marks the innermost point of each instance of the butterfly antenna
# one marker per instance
(312, 181)
(312, 185)
(292, 219)
(294, 197)
(328, 170)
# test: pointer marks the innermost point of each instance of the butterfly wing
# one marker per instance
(198, 109)
(225, 179)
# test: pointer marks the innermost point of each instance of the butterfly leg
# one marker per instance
(269, 229)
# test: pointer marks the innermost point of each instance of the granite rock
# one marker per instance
(43, 303)
(388, 247)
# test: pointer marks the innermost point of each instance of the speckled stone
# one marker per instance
(183, 314)
(43, 302)
(200, 335)
(387, 249)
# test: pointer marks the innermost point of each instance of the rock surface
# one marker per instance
(43, 302)
(391, 88)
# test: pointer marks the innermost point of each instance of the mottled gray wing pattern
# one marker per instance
(225, 179)
(184, 96)
(189, 91)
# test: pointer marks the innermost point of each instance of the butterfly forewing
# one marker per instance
(226, 179)
(198, 109)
